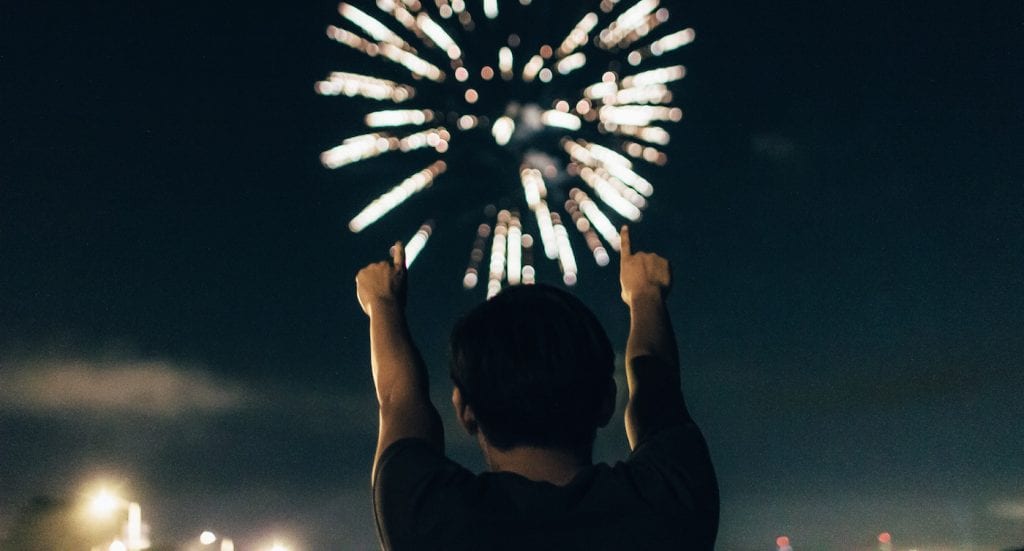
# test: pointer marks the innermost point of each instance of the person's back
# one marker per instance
(532, 372)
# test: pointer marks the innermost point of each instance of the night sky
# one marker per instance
(843, 207)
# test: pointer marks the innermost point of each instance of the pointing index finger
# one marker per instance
(624, 246)
(398, 255)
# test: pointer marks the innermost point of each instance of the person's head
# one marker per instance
(533, 367)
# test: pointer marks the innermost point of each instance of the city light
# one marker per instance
(104, 504)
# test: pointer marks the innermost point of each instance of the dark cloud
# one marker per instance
(133, 387)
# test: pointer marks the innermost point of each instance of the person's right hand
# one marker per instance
(642, 274)
(383, 282)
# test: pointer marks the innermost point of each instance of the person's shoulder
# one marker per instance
(416, 490)
(409, 459)
(673, 466)
(679, 437)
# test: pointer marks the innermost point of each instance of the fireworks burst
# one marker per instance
(578, 117)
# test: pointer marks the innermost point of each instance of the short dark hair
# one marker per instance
(535, 365)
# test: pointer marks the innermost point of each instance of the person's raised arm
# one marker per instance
(398, 369)
(652, 359)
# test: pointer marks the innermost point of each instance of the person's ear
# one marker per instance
(464, 412)
(608, 403)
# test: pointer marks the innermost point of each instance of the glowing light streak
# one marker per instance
(639, 115)
(532, 67)
(417, 242)
(645, 152)
(357, 149)
(663, 45)
(503, 129)
(351, 84)
(626, 23)
(597, 218)
(600, 90)
(374, 28)
(663, 75)
(653, 93)
(535, 190)
(566, 258)
(438, 35)
(571, 63)
(419, 67)
(515, 251)
(557, 119)
(599, 175)
(651, 134)
(428, 138)
(476, 256)
(529, 273)
(609, 194)
(616, 165)
(505, 62)
(650, 23)
(633, 180)
(352, 40)
(396, 196)
(578, 152)
(498, 254)
(415, 64)
(583, 225)
(579, 35)
(491, 9)
(401, 15)
(398, 117)
(605, 155)
(627, 192)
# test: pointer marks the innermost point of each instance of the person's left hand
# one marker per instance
(383, 283)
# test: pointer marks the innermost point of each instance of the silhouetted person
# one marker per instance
(533, 381)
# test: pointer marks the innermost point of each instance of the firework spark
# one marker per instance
(578, 112)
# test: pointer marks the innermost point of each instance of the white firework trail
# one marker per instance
(584, 118)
